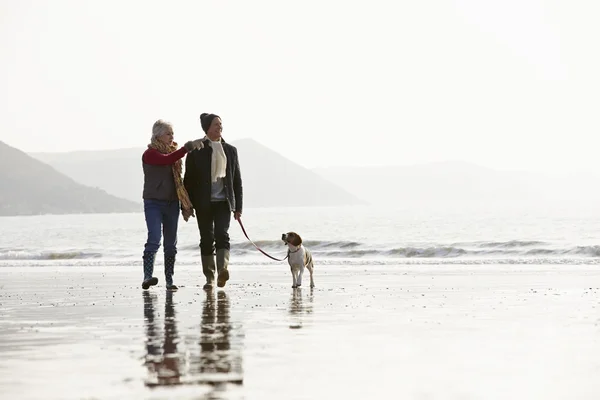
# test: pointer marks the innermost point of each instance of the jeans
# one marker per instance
(213, 223)
(162, 216)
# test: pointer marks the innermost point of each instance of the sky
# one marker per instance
(505, 84)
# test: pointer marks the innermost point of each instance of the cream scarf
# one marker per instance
(218, 163)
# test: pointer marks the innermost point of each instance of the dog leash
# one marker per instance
(257, 248)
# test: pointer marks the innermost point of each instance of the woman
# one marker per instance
(213, 180)
(163, 195)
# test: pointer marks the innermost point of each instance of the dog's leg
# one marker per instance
(299, 280)
(310, 268)
(293, 278)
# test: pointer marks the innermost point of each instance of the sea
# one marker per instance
(352, 235)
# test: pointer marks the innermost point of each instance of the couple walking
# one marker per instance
(211, 190)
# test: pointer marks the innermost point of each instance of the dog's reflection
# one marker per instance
(220, 357)
(298, 308)
(162, 358)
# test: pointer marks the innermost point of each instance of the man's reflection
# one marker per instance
(162, 359)
(220, 357)
(214, 357)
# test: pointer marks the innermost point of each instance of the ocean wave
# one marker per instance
(592, 251)
(342, 250)
(404, 252)
(589, 251)
(46, 255)
(436, 252)
(357, 249)
(313, 244)
(278, 245)
(504, 244)
(263, 262)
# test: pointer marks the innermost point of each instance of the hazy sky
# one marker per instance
(507, 84)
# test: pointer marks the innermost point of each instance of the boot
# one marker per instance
(149, 280)
(170, 271)
(222, 263)
(209, 270)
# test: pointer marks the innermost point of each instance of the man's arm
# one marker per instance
(237, 185)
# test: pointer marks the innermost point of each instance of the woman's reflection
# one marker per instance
(162, 359)
(215, 357)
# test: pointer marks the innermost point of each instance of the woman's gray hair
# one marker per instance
(160, 127)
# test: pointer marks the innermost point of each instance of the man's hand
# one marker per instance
(187, 214)
(237, 215)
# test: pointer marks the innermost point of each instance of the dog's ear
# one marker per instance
(295, 239)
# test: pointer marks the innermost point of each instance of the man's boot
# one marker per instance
(170, 271)
(149, 280)
(222, 263)
(209, 270)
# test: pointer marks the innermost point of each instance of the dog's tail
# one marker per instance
(308, 260)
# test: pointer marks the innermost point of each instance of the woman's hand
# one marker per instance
(194, 144)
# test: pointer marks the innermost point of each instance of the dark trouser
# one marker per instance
(213, 224)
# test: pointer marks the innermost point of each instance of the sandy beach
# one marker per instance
(389, 332)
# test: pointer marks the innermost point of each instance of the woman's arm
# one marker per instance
(155, 157)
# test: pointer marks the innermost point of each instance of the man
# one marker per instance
(214, 184)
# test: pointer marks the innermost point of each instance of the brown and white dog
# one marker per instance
(299, 258)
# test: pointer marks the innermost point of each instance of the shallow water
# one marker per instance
(404, 331)
(349, 235)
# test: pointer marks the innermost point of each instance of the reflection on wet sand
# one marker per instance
(298, 308)
(215, 357)
(162, 358)
(220, 357)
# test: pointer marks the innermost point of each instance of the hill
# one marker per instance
(460, 185)
(31, 187)
(118, 172)
(270, 180)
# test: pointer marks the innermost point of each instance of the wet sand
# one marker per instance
(403, 332)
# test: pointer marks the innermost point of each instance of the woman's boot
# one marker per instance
(149, 280)
(170, 271)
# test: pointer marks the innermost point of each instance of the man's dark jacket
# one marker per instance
(197, 179)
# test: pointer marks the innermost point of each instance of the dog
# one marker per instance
(299, 257)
